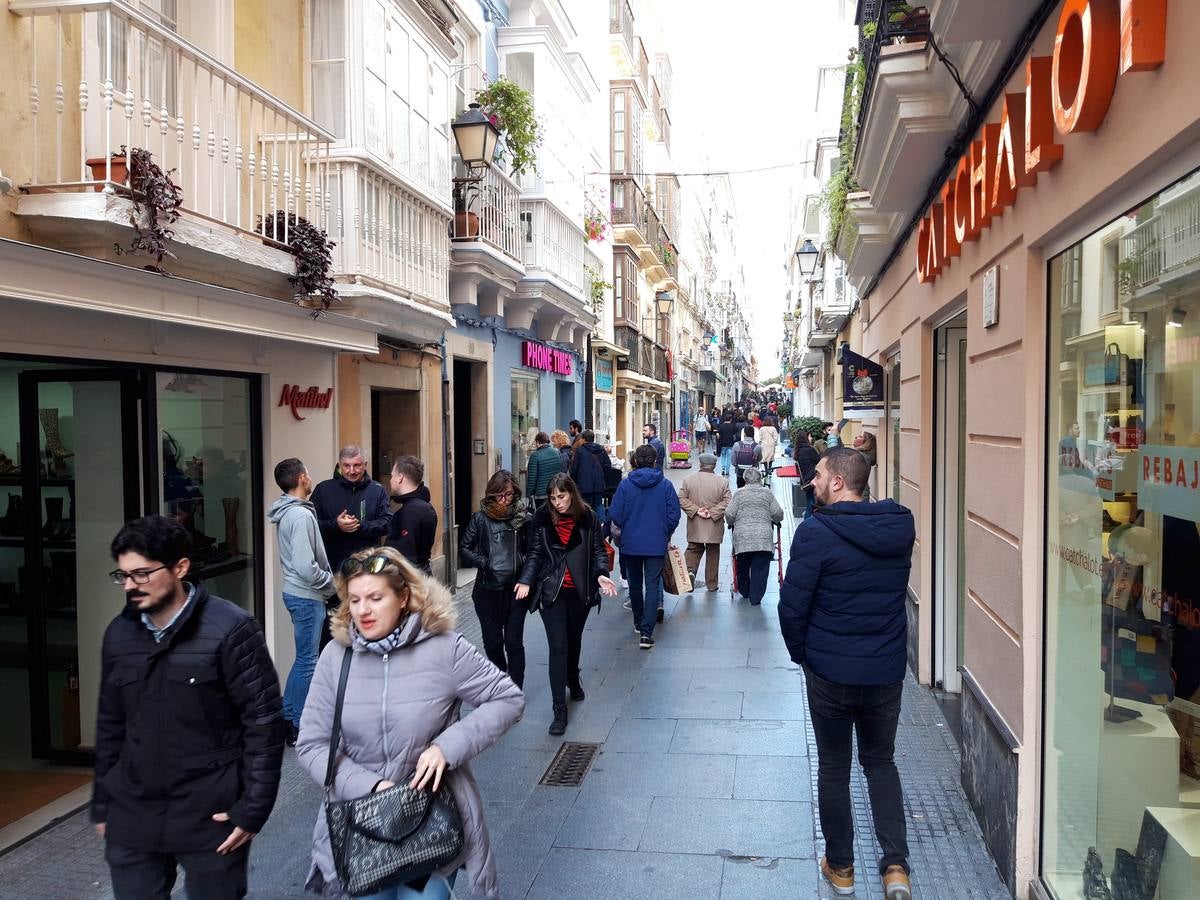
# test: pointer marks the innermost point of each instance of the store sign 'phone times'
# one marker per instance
(1169, 481)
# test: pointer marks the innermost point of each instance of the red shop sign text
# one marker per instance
(298, 398)
(1069, 92)
(540, 356)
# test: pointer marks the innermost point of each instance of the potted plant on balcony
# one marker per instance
(156, 201)
(99, 165)
(466, 223)
(313, 250)
(510, 108)
(668, 256)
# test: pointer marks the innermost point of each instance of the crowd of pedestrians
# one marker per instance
(372, 701)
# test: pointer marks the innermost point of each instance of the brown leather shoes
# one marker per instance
(895, 884)
(842, 880)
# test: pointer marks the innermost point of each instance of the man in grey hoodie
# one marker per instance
(307, 580)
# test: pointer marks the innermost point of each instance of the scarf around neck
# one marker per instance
(380, 647)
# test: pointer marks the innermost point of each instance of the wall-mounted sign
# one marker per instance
(546, 358)
(299, 398)
(862, 385)
(604, 375)
(1096, 40)
(991, 301)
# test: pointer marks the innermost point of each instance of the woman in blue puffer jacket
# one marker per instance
(646, 510)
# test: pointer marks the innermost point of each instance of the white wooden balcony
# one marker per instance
(392, 243)
(489, 213)
(555, 247)
(104, 75)
(1167, 245)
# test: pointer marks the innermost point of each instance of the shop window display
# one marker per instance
(524, 421)
(205, 438)
(1122, 749)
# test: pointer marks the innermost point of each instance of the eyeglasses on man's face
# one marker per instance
(137, 576)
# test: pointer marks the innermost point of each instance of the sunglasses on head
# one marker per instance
(371, 565)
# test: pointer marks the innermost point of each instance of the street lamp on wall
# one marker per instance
(808, 377)
(476, 137)
(806, 256)
(664, 300)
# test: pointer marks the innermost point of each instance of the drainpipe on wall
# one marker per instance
(447, 521)
(589, 395)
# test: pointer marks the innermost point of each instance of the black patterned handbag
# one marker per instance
(391, 837)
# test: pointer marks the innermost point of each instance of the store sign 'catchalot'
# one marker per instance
(1096, 40)
(298, 398)
(539, 356)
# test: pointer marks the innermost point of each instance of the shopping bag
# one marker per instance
(611, 552)
(676, 579)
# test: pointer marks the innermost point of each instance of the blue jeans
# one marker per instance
(645, 589)
(726, 455)
(307, 616)
(436, 888)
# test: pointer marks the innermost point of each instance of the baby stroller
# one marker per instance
(680, 450)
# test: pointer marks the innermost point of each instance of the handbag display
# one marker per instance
(1116, 364)
(391, 837)
(676, 578)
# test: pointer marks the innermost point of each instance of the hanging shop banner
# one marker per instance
(862, 384)
(604, 375)
(1169, 481)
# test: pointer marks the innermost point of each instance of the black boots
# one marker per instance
(559, 725)
(576, 688)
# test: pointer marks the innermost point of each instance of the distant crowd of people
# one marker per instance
(191, 722)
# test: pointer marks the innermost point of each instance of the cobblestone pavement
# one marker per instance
(703, 786)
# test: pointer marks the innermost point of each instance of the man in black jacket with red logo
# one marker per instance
(189, 730)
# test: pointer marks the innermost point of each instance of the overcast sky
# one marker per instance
(744, 92)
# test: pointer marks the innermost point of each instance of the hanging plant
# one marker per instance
(313, 251)
(598, 286)
(156, 202)
(510, 108)
(595, 226)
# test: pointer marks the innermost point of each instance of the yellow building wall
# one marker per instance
(268, 47)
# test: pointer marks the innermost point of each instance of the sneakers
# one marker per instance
(646, 642)
(576, 688)
(842, 880)
(660, 615)
(293, 734)
(895, 884)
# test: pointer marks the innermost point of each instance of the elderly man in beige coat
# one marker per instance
(703, 498)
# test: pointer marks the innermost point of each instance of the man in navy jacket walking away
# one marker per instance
(842, 614)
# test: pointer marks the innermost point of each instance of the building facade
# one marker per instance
(1030, 294)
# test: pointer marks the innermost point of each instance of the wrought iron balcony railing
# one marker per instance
(895, 22)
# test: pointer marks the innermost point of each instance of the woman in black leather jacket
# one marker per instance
(495, 542)
(565, 574)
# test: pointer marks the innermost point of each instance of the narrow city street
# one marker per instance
(703, 786)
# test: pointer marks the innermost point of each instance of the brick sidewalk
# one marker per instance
(703, 786)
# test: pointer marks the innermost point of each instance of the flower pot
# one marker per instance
(466, 224)
(120, 170)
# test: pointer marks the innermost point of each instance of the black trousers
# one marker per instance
(143, 875)
(502, 623)
(873, 711)
(753, 570)
(564, 621)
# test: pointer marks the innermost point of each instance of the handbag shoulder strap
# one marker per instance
(335, 734)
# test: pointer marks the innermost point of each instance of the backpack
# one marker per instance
(743, 453)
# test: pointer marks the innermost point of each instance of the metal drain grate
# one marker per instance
(570, 764)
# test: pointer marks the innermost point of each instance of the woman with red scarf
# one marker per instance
(565, 573)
